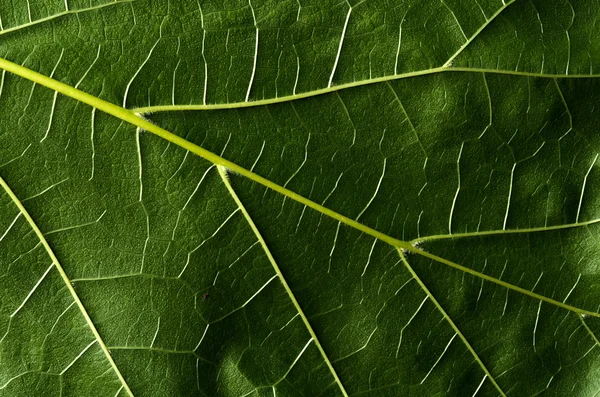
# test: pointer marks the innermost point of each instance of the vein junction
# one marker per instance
(135, 117)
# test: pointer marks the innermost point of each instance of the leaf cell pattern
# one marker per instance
(299, 198)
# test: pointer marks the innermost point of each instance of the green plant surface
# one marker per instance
(299, 198)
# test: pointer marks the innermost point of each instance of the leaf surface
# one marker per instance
(299, 198)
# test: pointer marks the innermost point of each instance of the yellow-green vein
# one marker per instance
(477, 32)
(500, 232)
(451, 322)
(225, 177)
(141, 122)
(592, 334)
(339, 87)
(502, 283)
(330, 88)
(66, 280)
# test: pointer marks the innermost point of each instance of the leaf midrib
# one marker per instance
(139, 121)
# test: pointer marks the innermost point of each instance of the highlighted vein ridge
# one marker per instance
(63, 275)
(226, 181)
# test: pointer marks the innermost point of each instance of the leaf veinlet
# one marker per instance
(67, 281)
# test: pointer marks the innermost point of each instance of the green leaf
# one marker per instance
(299, 198)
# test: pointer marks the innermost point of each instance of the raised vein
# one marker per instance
(339, 87)
(503, 283)
(505, 231)
(137, 120)
(596, 341)
(451, 322)
(225, 177)
(474, 36)
(66, 280)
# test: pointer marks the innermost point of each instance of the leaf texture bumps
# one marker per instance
(295, 198)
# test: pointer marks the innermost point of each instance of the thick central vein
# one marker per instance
(67, 282)
(137, 120)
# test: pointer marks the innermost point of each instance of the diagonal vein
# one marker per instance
(66, 280)
(505, 231)
(451, 322)
(476, 34)
(503, 283)
(344, 86)
(592, 334)
(139, 121)
(225, 178)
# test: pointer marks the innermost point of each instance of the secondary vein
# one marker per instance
(263, 243)
(451, 322)
(339, 87)
(503, 283)
(66, 280)
(505, 231)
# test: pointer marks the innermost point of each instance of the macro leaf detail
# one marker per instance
(299, 198)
